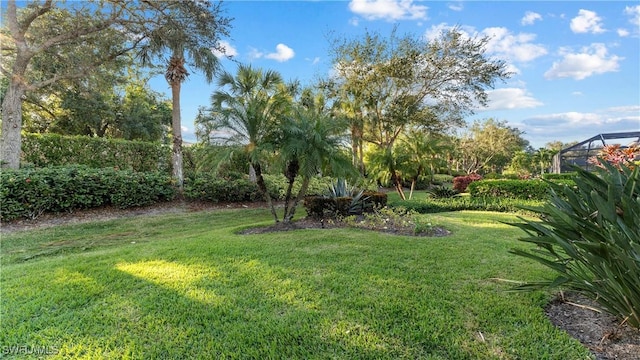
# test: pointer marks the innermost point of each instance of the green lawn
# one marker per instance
(187, 286)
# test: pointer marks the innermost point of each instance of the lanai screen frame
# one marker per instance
(578, 155)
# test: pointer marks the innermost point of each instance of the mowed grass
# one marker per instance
(188, 286)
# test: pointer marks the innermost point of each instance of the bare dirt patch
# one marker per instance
(608, 338)
(601, 333)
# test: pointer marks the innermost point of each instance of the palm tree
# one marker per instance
(422, 154)
(189, 31)
(245, 111)
(313, 141)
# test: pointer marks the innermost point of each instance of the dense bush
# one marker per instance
(590, 236)
(515, 189)
(441, 179)
(30, 192)
(460, 183)
(432, 205)
(561, 176)
(211, 187)
(42, 150)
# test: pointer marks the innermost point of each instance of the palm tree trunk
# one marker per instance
(176, 126)
(303, 190)
(291, 172)
(262, 186)
(397, 183)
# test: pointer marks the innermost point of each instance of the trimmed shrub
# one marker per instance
(591, 238)
(43, 150)
(515, 189)
(431, 205)
(30, 192)
(562, 176)
(460, 183)
(213, 188)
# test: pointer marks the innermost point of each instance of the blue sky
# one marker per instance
(576, 63)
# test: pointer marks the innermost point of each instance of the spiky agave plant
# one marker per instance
(590, 235)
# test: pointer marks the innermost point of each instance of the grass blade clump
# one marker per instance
(590, 235)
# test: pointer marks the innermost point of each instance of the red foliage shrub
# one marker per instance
(460, 183)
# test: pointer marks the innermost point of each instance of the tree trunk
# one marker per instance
(303, 190)
(176, 126)
(11, 140)
(413, 185)
(291, 172)
(397, 183)
(263, 189)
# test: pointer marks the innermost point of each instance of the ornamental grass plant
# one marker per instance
(590, 236)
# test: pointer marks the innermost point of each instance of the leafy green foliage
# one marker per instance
(561, 176)
(590, 237)
(28, 193)
(433, 205)
(213, 188)
(515, 189)
(440, 192)
(441, 179)
(43, 150)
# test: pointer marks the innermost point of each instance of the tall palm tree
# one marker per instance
(189, 31)
(245, 111)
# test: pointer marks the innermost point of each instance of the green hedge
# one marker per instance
(42, 150)
(562, 176)
(28, 193)
(431, 205)
(514, 189)
(210, 187)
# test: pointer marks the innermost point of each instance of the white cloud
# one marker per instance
(587, 22)
(458, 6)
(354, 21)
(592, 60)
(502, 43)
(578, 126)
(228, 50)
(634, 12)
(255, 53)
(510, 98)
(514, 47)
(282, 54)
(390, 10)
(623, 32)
(577, 93)
(530, 17)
